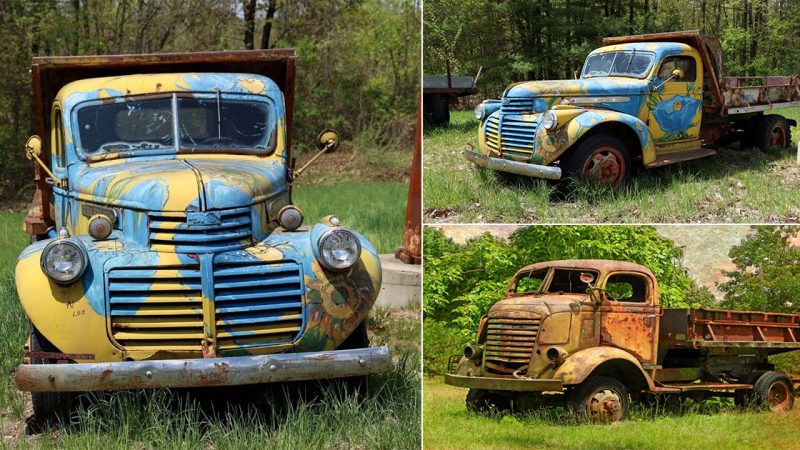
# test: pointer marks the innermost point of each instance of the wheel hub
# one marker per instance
(778, 137)
(604, 406)
(604, 166)
(778, 397)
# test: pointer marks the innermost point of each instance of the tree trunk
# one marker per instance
(272, 7)
(249, 23)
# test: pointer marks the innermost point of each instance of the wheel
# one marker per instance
(602, 159)
(772, 131)
(436, 110)
(743, 397)
(599, 399)
(357, 385)
(774, 390)
(50, 409)
(483, 401)
(748, 131)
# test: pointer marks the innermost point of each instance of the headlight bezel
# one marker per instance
(81, 251)
(321, 251)
(480, 111)
(549, 120)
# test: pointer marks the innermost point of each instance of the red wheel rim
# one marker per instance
(779, 396)
(605, 165)
(778, 137)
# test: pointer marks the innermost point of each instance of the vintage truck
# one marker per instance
(166, 250)
(649, 100)
(591, 335)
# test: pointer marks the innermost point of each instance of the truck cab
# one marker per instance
(652, 100)
(589, 335)
(166, 249)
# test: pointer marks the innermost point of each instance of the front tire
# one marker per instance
(358, 339)
(484, 402)
(601, 159)
(600, 399)
(50, 409)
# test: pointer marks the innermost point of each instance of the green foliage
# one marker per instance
(462, 282)
(766, 277)
(440, 341)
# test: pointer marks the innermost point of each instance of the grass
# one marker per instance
(733, 186)
(713, 425)
(278, 417)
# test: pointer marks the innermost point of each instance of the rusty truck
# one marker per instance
(591, 335)
(166, 250)
(650, 100)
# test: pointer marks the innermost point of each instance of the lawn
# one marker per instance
(732, 186)
(280, 417)
(447, 425)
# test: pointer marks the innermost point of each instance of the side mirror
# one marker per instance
(677, 74)
(33, 148)
(327, 142)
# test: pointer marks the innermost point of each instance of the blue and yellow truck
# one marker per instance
(650, 100)
(165, 247)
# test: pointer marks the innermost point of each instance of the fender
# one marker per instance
(550, 145)
(580, 365)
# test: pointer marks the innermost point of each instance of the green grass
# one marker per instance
(376, 209)
(155, 419)
(732, 186)
(447, 425)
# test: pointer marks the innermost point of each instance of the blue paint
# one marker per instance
(676, 114)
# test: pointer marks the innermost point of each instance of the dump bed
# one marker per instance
(51, 73)
(727, 95)
(714, 328)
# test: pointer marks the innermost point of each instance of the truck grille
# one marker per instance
(516, 105)
(492, 135)
(516, 137)
(161, 308)
(257, 304)
(509, 343)
(156, 308)
(200, 232)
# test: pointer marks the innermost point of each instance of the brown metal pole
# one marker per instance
(411, 252)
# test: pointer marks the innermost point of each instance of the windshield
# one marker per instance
(618, 64)
(210, 123)
(569, 281)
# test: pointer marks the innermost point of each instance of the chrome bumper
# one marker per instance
(176, 373)
(504, 384)
(519, 168)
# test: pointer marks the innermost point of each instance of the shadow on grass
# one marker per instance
(460, 126)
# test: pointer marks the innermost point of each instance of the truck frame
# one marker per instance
(166, 251)
(653, 99)
(591, 335)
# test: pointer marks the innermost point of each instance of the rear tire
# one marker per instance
(743, 398)
(600, 399)
(772, 131)
(50, 409)
(774, 390)
(436, 110)
(602, 159)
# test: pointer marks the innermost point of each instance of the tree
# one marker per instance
(766, 276)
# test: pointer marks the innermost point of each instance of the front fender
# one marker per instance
(578, 366)
(550, 145)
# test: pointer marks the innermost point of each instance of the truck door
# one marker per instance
(628, 318)
(676, 103)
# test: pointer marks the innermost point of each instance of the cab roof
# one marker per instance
(659, 48)
(601, 265)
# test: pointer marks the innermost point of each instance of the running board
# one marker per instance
(676, 157)
(678, 388)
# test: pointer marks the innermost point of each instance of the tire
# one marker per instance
(50, 409)
(772, 131)
(599, 399)
(436, 110)
(749, 131)
(355, 385)
(775, 391)
(602, 159)
(484, 402)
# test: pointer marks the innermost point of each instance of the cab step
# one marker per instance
(676, 157)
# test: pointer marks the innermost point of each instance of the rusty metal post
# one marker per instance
(411, 252)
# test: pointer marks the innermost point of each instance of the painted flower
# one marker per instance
(675, 115)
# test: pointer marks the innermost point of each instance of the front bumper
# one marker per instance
(504, 384)
(182, 373)
(506, 165)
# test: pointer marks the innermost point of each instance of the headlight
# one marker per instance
(480, 111)
(549, 120)
(64, 260)
(339, 249)
(290, 217)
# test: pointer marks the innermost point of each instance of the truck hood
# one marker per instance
(180, 184)
(578, 88)
(543, 305)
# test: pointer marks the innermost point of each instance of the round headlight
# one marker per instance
(64, 261)
(100, 227)
(290, 217)
(339, 249)
(480, 111)
(549, 120)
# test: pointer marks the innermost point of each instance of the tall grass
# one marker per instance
(732, 186)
